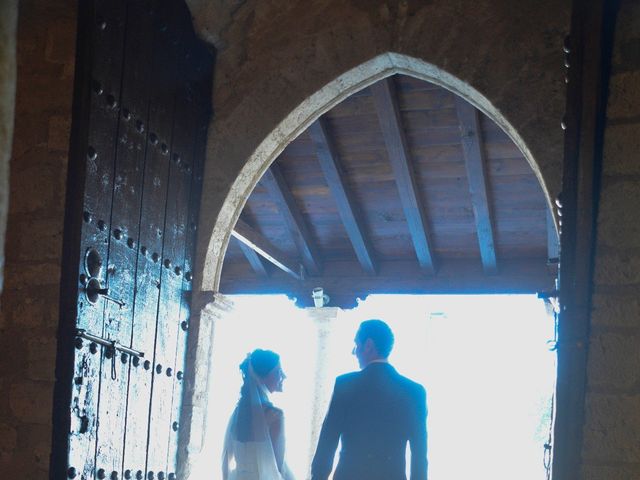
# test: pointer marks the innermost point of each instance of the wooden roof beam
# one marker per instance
(347, 207)
(256, 242)
(255, 260)
(471, 139)
(274, 182)
(394, 137)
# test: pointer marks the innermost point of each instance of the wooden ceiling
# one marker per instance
(401, 188)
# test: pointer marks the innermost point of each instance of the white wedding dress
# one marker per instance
(261, 457)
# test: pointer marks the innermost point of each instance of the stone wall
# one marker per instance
(282, 63)
(267, 78)
(29, 318)
(612, 430)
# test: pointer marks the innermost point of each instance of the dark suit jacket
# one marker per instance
(374, 413)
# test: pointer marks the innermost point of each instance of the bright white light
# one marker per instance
(483, 359)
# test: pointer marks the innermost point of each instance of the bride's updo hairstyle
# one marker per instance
(261, 362)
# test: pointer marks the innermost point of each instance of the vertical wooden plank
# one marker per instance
(202, 72)
(157, 126)
(124, 243)
(107, 25)
(173, 254)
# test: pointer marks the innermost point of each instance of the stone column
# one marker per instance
(207, 309)
(324, 319)
(8, 31)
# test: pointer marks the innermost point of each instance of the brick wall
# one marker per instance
(612, 430)
(29, 316)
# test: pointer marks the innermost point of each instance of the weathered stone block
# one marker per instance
(621, 149)
(35, 440)
(626, 52)
(41, 357)
(13, 348)
(619, 225)
(617, 267)
(33, 189)
(26, 311)
(31, 402)
(624, 95)
(8, 441)
(617, 472)
(25, 276)
(612, 428)
(35, 239)
(616, 310)
(59, 133)
(61, 39)
(614, 361)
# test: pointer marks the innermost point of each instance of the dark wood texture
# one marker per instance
(253, 258)
(125, 220)
(138, 122)
(427, 117)
(394, 136)
(279, 191)
(256, 242)
(347, 208)
(345, 282)
(589, 57)
(472, 147)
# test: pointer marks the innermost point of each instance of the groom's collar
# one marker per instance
(382, 361)
(379, 360)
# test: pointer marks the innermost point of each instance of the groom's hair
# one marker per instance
(379, 333)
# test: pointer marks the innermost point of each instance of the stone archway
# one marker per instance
(214, 239)
(280, 65)
(307, 112)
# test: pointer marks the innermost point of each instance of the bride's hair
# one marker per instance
(261, 362)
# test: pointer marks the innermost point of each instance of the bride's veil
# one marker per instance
(248, 450)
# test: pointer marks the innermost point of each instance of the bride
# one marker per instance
(254, 442)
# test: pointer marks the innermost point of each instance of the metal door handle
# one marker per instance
(107, 343)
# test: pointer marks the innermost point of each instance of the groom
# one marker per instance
(374, 412)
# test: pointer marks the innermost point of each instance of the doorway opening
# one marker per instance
(485, 361)
(403, 188)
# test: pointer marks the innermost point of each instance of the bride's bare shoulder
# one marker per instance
(273, 414)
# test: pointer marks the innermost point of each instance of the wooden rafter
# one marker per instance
(280, 193)
(394, 137)
(471, 139)
(255, 260)
(255, 241)
(347, 207)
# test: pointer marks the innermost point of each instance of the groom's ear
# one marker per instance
(369, 346)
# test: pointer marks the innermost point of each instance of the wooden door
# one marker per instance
(588, 60)
(141, 110)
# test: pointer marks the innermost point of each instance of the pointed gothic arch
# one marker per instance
(225, 192)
